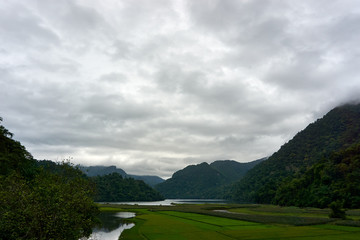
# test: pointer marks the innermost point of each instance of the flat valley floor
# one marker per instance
(216, 221)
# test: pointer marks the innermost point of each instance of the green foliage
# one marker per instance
(48, 207)
(332, 179)
(278, 179)
(336, 210)
(13, 156)
(38, 203)
(114, 188)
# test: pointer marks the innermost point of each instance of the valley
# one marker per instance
(235, 221)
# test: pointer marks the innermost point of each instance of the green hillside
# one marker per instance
(336, 131)
(204, 180)
(333, 179)
(114, 188)
(233, 170)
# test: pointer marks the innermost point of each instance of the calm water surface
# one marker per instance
(112, 225)
(168, 202)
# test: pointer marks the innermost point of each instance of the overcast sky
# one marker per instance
(153, 86)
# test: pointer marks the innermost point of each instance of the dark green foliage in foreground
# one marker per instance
(115, 188)
(39, 204)
(336, 131)
(204, 180)
(332, 180)
(14, 157)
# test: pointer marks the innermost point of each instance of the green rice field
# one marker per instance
(202, 222)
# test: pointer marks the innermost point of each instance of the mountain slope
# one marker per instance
(233, 170)
(336, 131)
(114, 188)
(333, 179)
(204, 180)
(93, 171)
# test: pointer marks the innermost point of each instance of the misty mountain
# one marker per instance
(204, 180)
(93, 171)
(311, 155)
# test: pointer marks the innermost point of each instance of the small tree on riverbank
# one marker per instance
(337, 210)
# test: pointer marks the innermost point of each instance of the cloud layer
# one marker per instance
(152, 86)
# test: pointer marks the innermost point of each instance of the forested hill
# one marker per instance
(204, 180)
(331, 135)
(93, 171)
(114, 188)
(233, 170)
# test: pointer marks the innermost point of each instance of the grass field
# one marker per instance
(201, 222)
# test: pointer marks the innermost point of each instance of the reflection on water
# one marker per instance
(100, 234)
(112, 225)
(168, 202)
(125, 214)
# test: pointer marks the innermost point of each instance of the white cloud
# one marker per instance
(152, 86)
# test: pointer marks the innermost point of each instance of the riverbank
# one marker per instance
(236, 221)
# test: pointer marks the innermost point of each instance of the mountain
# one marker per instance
(93, 171)
(204, 180)
(233, 170)
(337, 131)
(114, 188)
(150, 180)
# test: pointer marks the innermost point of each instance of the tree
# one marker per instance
(336, 210)
(36, 203)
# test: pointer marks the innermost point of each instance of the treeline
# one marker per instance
(111, 187)
(40, 204)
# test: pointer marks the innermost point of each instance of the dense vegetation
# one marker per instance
(333, 179)
(93, 171)
(114, 188)
(322, 161)
(204, 180)
(40, 204)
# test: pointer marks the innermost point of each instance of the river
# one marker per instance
(168, 202)
(112, 225)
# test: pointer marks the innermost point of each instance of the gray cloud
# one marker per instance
(152, 86)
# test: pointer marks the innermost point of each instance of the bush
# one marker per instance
(336, 210)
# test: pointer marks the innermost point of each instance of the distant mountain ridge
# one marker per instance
(310, 153)
(93, 171)
(204, 180)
